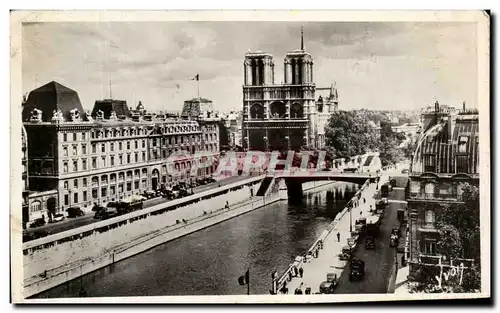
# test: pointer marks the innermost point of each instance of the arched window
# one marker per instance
(296, 111)
(430, 218)
(257, 111)
(429, 190)
(35, 206)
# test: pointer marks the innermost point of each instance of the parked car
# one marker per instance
(328, 286)
(346, 253)
(75, 212)
(57, 218)
(370, 242)
(37, 223)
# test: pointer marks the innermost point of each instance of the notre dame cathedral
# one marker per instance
(284, 116)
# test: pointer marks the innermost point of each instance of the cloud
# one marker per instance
(378, 65)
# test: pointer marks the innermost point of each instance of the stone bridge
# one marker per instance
(295, 179)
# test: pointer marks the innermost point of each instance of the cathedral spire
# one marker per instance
(301, 37)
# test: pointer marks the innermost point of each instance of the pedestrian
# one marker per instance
(301, 272)
(364, 200)
(338, 236)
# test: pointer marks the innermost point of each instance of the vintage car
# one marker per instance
(346, 253)
(360, 224)
(75, 212)
(57, 218)
(370, 242)
(37, 223)
(356, 269)
(328, 286)
(393, 242)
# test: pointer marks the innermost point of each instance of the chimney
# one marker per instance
(464, 106)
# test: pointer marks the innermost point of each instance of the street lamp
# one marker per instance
(350, 218)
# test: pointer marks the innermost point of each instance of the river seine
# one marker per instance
(210, 261)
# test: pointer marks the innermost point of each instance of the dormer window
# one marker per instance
(462, 144)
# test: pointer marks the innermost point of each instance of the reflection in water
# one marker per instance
(209, 262)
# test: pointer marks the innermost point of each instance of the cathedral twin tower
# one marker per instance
(282, 116)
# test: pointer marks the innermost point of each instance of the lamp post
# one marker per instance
(350, 218)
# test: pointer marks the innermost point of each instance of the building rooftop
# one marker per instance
(49, 98)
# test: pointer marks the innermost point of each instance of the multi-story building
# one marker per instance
(77, 159)
(283, 116)
(447, 155)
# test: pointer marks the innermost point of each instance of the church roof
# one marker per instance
(50, 97)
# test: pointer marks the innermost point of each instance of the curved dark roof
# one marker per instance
(50, 97)
(445, 147)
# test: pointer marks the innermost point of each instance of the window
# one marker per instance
(66, 185)
(120, 146)
(75, 166)
(84, 196)
(74, 136)
(94, 162)
(93, 148)
(83, 136)
(65, 167)
(84, 149)
(112, 190)
(144, 143)
(84, 164)
(120, 159)
(169, 140)
(429, 189)
(65, 151)
(120, 188)
(75, 183)
(112, 160)
(66, 199)
(94, 193)
(144, 156)
(182, 139)
(430, 218)
(103, 191)
(462, 144)
(136, 184)
(128, 145)
(112, 146)
(128, 158)
(75, 197)
(430, 247)
(84, 182)
(129, 186)
(35, 206)
(136, 157)
(75, 150)
(104, 161)
(103, 147)
(429, 163)
(136, 144)
(65, 137)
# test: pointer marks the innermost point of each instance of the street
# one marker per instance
(380, 261)
(88, 218)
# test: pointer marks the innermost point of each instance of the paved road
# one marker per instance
(378, 262)
(70, 223)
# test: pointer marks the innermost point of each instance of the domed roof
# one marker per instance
(140, 106)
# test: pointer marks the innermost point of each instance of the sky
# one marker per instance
(375, 65)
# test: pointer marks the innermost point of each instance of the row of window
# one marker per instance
(123, 132)
(75, 136)
(105, 161)
(104, 191)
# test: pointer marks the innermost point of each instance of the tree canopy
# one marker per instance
(349, 133)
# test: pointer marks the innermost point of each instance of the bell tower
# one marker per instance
(299, 65)
(258, 69)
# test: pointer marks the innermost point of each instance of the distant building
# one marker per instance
(447, 155)
(288, 115)
(77, 159)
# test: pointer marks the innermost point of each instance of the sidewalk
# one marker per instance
(328, 262)
(402, 281)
